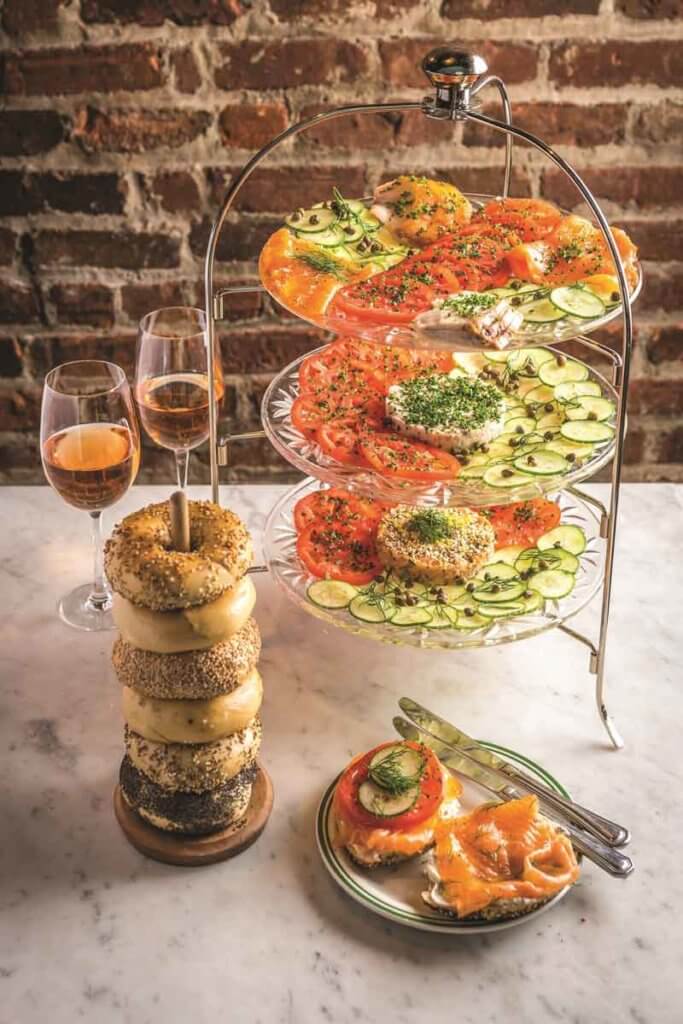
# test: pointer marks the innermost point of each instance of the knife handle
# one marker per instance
(602, 828)
(614, 862)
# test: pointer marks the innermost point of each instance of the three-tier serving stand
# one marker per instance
(458, 77)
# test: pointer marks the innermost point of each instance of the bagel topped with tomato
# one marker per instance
(389, 802)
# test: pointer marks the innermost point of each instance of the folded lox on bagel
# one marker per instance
(186, 657)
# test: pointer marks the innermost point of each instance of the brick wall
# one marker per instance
(124, 119)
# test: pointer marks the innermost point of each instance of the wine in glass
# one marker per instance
(171, 381)
(90, 447)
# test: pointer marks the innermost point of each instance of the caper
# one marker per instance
(531, 461)
(495, 589)
(592, 416)
(542, 564)
(487, 575)
(506, 472)
(548, 436)
(469, 588)
(571, 457)
(548, 406)
(519, 430)
(314, 219)
(615, 296)
(560, 359)
(469, 611)
(527, 593)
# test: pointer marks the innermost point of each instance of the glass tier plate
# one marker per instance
(410, 337)
(284, 565)
(308, 457)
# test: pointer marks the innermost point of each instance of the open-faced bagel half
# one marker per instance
(143, 566)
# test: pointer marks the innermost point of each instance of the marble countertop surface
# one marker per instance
(93, 931)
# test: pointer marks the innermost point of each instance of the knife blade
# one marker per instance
(602, 828)
(613, 861)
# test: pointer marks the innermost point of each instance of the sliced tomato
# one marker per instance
(309, 413)
(523, 522)
(531, 219)
(392, 455)
(334, 505)
(333, 552)
(334, 372)
(342, 443)
(349, 808)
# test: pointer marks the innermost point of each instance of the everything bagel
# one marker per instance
(143, 566)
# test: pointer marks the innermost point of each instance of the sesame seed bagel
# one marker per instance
(187, 813)
(189, 675)
(193, 721)
(191, 629)
(143, 566)
(435, 546)
(194, 767)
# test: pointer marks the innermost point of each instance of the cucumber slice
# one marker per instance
(577, 301)
(542, 311)
(532, 604)
(496, 357)
(501, 570)
(553, 373)
(524, 358)
(404, 761)
(328, 239)
(567, 448)
(527, 385)
(542, 462)
(470, 622)
(503, 475)
(520, 425)
(351, 230)
(368, 611)
(471, 362)
(553, 558)
(473, 472)
(411, 615)
(508, 591)
(513, 412)
(509, 554)
(311, 221)
(571, 538)
(574, 388)
(542, 393)
(553, 583)
(501, 293)
(551, 421)
(331, 593)
(587, 431)
(591, 408)
(384, 804)
(501, 611)
(443, 617)
(452, 592)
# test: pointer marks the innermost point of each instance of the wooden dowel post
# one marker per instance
(180, 521)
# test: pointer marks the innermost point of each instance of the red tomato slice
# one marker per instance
(395, 456)
(342, 443)
(349, 808)
(531, 219)
(333, 506)
(339, 554)
(524, 521)
(309, 413)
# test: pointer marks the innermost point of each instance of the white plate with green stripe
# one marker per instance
(395, 892)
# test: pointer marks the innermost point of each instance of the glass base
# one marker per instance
(78, 610)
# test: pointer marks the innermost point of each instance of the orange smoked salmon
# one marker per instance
(419, 211)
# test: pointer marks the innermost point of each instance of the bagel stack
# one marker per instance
(186, 657)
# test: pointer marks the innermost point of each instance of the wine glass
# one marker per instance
(171, 381)
(90, 447)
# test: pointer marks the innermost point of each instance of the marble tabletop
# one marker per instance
(91, 930)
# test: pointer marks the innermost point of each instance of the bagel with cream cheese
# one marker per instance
(143, 566)
(194, 766)
(189, 629)
(193, 721)
(189, 675)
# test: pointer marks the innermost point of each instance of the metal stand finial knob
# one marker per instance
(452, 72)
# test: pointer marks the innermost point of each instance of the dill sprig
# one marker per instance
(323, 264)
(389, 774)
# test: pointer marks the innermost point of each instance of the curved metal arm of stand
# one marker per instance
(235, 186)
(507, 113)
(587, 196)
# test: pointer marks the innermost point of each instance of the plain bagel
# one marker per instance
(193, 721)
(193, 675)
(142, 565)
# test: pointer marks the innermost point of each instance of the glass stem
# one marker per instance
(182, 461)
(99, 597)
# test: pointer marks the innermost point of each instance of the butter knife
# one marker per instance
(613, 861)
(602, 828)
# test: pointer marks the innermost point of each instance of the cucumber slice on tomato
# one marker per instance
(540, 311)
(553, 583)
(577, 301)
(587, 431)
(405, 762)
(587, 407)
(554, 372)
(541, 462)
(569, 537)
(383, 803)
(369, 611)
(311, 221)
(504, 475)
(574, 388)
(331, 593)
(411, 615)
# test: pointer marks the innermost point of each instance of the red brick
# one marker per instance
(486, 180)
(560, 124)
(669, 445)
(186, 72)
(292, 10)
(634, 448)
(27, 132)
(266, 349)
(26, 16)
(616, 63)
(17, 304)
(72, 193)
(8, 247)
(662, 289)
(125, 249)
(401, 59)
(176, 191)
(20, 409)
(281, 189)
(638, 186)
(352, 131)
(650, 9)
(255, 64)
(136, 131)
(251, 125)
(154, 12)
(11, 358)
(238, 306)
(133, 67)
(488, 10)
(655, 396)
(662, 122)
(665, 344)
(239, 240)
(46, 351)
(656, 239)
(91, 304)
(139, 299)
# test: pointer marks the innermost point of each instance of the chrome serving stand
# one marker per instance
(458, 77)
